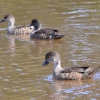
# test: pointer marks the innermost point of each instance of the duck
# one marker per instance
(70, 73)
(43, 33)
(18, 29)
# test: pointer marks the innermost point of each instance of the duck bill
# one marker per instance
(2, 21)
(45, 63)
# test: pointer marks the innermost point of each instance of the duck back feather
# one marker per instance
(46, 34)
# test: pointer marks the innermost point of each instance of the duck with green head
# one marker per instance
(43, 33)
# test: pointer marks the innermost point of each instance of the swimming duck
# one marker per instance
(71, 73)
(43, 33)
(16, 30)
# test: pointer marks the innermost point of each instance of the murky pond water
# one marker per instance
(21, 74)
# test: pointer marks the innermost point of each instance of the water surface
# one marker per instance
(21, 74)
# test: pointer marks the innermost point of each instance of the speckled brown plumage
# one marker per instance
(71, 73)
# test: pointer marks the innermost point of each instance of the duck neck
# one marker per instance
(57, 67)
(11, 23)
(37, 26)
(36, 29)
(10, 26)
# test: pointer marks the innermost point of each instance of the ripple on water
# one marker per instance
(32, 99)
(6, 80)
(49, 78)
(73, 89)
(19, 70)
(97, 76)
(15, 90)
(23, 89)
(3, 28)
(2, 68)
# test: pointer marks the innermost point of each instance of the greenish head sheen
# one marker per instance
(35, 23)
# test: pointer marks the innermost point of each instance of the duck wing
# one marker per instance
(53, 33)
(78, 73)
(47, 34)
(75, 69)
(85, 69)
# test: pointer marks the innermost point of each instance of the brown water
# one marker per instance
(21, 74)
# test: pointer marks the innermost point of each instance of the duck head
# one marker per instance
(35, 23)
(51, 57)
(8, 18)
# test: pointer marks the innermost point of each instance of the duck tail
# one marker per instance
(90, 72)
(58, 36)
(96, 69)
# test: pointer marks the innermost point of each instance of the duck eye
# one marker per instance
(48, 56)
(6, 17)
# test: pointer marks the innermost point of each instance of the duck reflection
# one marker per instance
(11, 40)
(35, 46)
(20, 37)
(70, 89)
